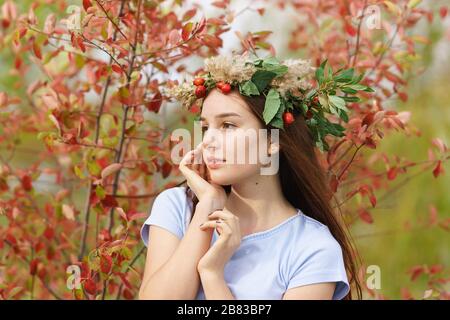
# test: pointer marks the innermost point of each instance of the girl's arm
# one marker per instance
(171, 265)
(215, 287)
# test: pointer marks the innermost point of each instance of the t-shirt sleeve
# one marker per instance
(322, 263)
(167, 212)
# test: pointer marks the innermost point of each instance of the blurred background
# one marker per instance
(406, 235)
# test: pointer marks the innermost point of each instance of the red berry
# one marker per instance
(288, 118)
(316, 100)
(226, 88)
(199, 81)
(220, 84)
(200, 91)
(309, 114)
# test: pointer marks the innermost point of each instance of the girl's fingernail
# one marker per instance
(202, 224)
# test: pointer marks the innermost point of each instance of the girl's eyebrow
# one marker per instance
(223, 115)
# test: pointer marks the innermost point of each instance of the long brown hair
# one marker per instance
(304, 184)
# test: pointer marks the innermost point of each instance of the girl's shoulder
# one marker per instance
(312, 236)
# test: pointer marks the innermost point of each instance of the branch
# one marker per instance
(109, 18)
(87, 205)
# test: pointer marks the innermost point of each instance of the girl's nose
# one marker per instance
(210, 138)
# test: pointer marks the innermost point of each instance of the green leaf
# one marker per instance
(357, 87)
(319, 73)
(248, 88)
(272, 105)
(348, 90)
(304, 107)
(270, 60)
(93, 168)
(351, 99)
(78, 172)
(100, 192)
(343, 115)
(323, 100)
(338, 102)
(344, 76)
(279, 70)
(277, 121)
(262, 78)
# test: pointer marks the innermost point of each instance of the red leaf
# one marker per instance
(49, 233)
(189, 14)
(33, 266)
(109, 201)
(443, 12)
(116, 69)
(125, 281)
(155, 103)
(365, 216)
(37, 50)
(81, 44)
(403, 96)
(416, 272)
(351, 31)
(128, 295)
(186, 31)
(220, 4)
(105, 263)
(211, 41)
(436, 268)
(166, 168)
(87, 4)
(438, 169)
(334, 183)
(90, 286)
(392, 173)
(26, 183)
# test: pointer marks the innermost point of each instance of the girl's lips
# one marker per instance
(214, 163)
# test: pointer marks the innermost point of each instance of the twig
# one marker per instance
(109, 18)
(87, 205)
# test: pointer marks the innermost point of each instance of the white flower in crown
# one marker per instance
(298, 76)
(230, 68)
(185, 93)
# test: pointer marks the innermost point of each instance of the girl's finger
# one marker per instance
(212, 224)
(187, 158)
(221, 214)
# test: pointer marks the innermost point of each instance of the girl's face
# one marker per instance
(230, 137)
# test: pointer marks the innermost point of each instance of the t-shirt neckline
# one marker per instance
(268, 232)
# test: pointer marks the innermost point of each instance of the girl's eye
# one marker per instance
(204, 128)
(228, 125)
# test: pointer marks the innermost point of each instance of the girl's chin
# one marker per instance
(222, 179)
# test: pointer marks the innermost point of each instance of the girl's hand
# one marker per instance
(195, 171)
(229, 240)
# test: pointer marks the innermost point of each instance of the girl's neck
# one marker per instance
(259, 203)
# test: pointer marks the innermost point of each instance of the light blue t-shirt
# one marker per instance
(298, 251)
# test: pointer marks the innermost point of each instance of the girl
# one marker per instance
(233, 233)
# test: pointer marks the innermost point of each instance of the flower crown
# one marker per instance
(291, 88)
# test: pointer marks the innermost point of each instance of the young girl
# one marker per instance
(233, 233)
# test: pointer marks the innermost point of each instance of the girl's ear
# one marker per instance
(273, 148)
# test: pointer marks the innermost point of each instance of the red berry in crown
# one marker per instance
(220, 84)
(199, 81)
(288, 118)
(225, 88)
(200, 91)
